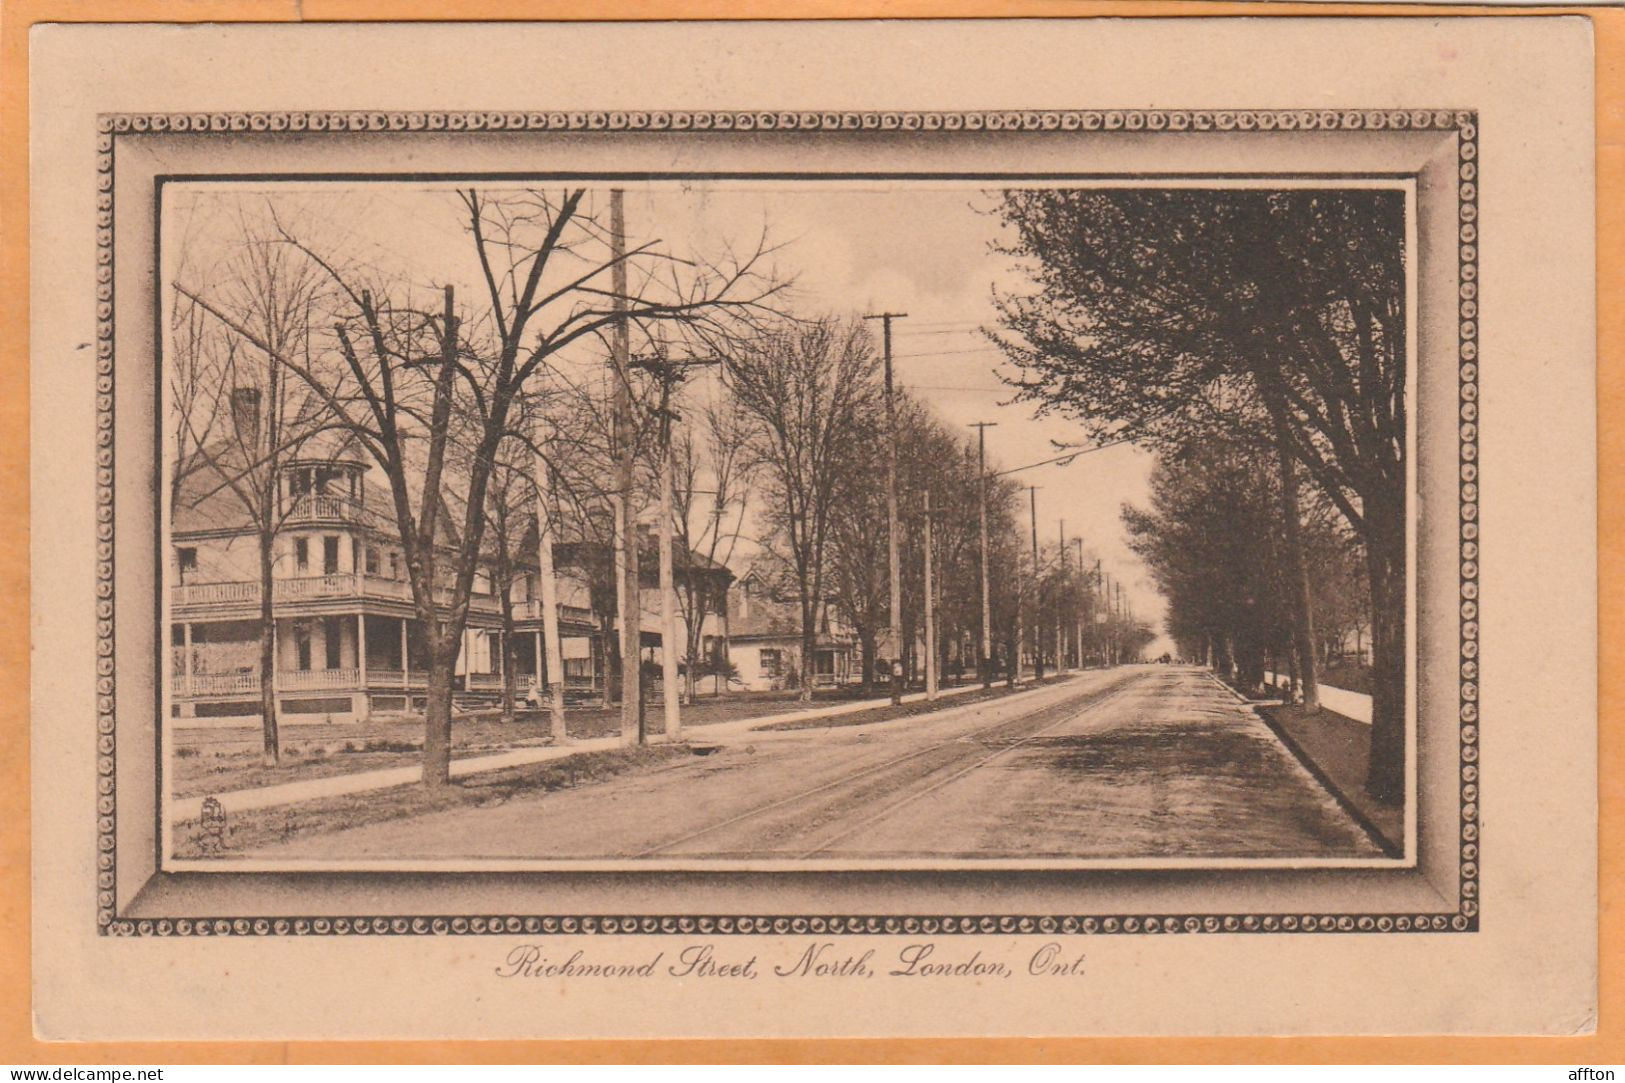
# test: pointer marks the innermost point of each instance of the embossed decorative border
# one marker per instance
(1463, 122)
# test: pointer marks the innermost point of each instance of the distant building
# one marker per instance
(764, 636)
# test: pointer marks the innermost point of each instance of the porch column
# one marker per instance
(541, 675)
(186, 659)
(406, 658)
(361, 647)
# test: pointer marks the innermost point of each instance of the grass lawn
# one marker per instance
(254, 829)
(1349, 676)
(210, 760)
(1338, 750)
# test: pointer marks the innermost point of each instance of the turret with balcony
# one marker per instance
(328, 491)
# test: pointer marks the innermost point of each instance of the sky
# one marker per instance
(922, 248)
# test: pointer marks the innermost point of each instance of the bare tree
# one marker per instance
(198, 358)
(509, 504)
(545, 266)
(241, 414)
(806, 386)
(716, 455)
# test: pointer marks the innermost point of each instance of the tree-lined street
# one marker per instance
(509, 464)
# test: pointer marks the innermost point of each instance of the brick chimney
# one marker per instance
(245, 415)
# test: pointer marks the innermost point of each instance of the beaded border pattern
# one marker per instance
(1463, 122)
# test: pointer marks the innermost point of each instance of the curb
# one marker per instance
(1389, 848)
(1382, 841)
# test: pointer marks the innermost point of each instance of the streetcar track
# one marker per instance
(957, 775)
(847, 780)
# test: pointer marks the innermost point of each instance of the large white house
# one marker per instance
(348, 645)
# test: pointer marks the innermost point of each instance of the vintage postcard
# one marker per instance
(667, 530)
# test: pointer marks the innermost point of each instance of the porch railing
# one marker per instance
(217, 684)
(301, 680)
(314, 588)
(321, 508)
(532, 610)
(395, 678)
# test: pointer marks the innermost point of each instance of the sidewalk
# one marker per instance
(288, 793)
(1353, 705)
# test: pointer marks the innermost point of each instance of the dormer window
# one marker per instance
(186, 559)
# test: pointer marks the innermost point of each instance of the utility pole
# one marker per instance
(545, 534)
(1120, 629)
(986, 660)
(1038, 591)
(1105, 613)
(625, 515)
(1060, 630)
(1083, 585)
(930, 609)
(669, 373)
(885, 319)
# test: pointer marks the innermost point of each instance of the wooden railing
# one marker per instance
(218, 684)
(532, 610)
(215, 593)
(312, 588)
(300, 680)
(337, 585)
(321, 508)
(395, 678)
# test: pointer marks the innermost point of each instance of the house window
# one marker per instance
(772, 661)
(186, 557)
(372, 561)
(301, 645)
(330, 554)
(333, 640)
(301, 554)
(394, 565)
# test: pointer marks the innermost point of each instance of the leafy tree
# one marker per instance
(1274, 316)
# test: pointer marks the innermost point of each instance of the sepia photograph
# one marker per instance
(704, 523)
(782, 530)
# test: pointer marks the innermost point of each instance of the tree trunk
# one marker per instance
(437, 717)
(550, 674)
(1303, 608)
(509, 677)
(809, 644)
(1224, 660)
(866, 648)
(693, 647)
(272, 744)
(1386, 565)
(609, 653)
